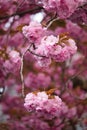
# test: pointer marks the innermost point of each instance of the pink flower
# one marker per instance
(46, 46)
(14, 56)
(33, 32)
(63, 55)
(44, 62)
(71, 112)
(49, 40)
(72, 48)
(13, 63)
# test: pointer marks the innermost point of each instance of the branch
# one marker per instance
(37, 54)
(22, 65)
(21, 13)
(21, 72)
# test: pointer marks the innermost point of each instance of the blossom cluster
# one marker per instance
(37, 81)
(63, 8)
(58, 48)
(12, 61)
(43, 102)
(55, 48)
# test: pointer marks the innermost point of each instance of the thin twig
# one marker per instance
(50, 23)
(22, 65)
(21, 73)
(36, 54)
(29, 49)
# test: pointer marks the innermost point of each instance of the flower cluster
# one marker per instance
(55, 48)
(49, 47)
(63, 8)
(14, 60)
(43, 102)
(37, 81)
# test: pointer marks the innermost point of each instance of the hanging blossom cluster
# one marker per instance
(49, 47)
(42, 102)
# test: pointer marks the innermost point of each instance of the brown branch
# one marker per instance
(21, 13)
(29, 49)
(21, 73)
(37, 54)
(22, 65)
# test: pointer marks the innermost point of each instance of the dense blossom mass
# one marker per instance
(42, 102)
(63, 8)
(59, 48)
(43, 66)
